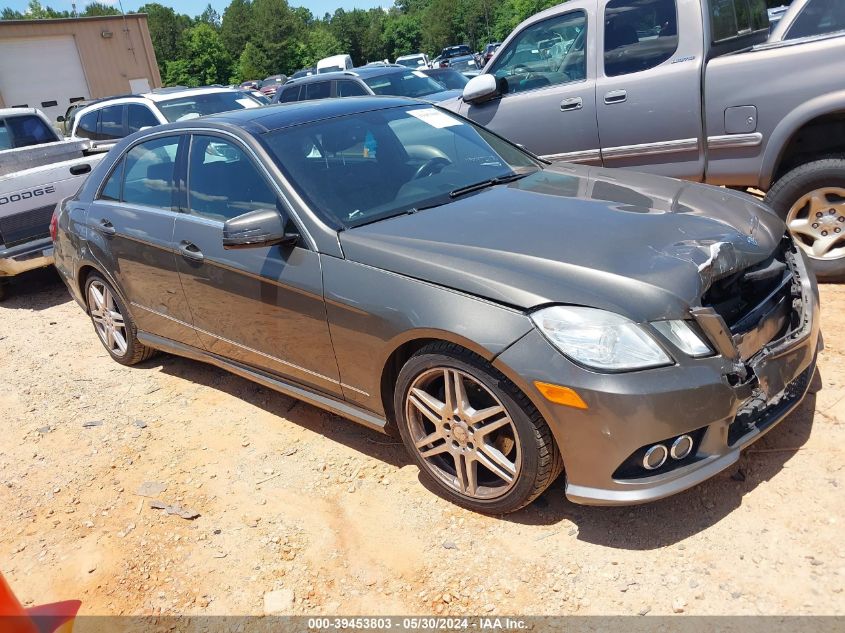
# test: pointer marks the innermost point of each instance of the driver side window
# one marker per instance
(548, 53)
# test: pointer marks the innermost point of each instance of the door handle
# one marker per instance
(616, 96)
(78, 170)
(106, 227)
(568, 105)
(191, 251)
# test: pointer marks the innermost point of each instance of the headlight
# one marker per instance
(684, 337)
(599, 339)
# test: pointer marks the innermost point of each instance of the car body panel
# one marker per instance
(508, 244)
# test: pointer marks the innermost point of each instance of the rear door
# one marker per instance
(131, 226)
(262, 307)
(548, 105)
(649, 88)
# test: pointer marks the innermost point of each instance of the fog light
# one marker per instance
(655, 457)
(681, 447)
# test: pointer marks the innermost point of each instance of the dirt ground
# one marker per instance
(333, 515)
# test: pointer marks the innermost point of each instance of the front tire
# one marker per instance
(811, 200)
(476, 438)
(113, 324)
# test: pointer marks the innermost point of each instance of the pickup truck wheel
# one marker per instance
(113, 324)
(476, 438)
(811, 199)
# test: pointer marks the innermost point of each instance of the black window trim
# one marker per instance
(645, 70)
(587, 54)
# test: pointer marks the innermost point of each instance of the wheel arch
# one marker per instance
(83, 272)
(812, 118)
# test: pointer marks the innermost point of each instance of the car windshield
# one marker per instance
(364, 167)
(407, 83)
(197, 105)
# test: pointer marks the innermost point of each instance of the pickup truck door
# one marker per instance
(648, 90)
(548, 106)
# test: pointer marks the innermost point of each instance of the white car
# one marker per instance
(334, 64)
(107, 121)
(415, 61)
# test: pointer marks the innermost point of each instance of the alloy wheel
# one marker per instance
(817, 220)
(108, 320)
(463, 433)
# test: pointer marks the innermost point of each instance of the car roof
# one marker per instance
(363, 72)
(279, 116)
(4, 112)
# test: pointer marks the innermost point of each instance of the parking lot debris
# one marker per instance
(449, 545)
(140, 424)
(44, 430)
(178, 510)
(739, 475)
(92, 423)
(151, 489)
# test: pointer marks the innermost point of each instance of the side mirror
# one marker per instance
(481, 88)
(60, 119)
(264, 227)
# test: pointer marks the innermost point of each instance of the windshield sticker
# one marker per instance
(247, 103)
(434, 118)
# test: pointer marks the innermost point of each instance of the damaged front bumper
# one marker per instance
(724, 402)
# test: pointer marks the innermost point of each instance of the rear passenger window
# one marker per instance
(111, 190)
(347, 88)
(289, 94)
(223, 182)
(5, 139)
(87, 127)
(139, 117)
(639, 35)
(29, 130)
(149, 173)
(111, 123)
(318, 90)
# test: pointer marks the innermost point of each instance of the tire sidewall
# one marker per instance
(799, 182)
(127, 318)
(513, 498)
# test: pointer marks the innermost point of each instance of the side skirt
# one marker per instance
(344, 409)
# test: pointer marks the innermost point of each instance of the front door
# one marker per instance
(649, 87)
(130, 232)
(264, 306)
(548, 104)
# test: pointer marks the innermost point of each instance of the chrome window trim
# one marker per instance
(584, 156)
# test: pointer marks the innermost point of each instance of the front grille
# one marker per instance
(21, 228)
(738, 297)
(759, 414)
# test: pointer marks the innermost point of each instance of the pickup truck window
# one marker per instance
(5, 139)
(818, 17)
(639, 35)
(29, 130)
(548, 53)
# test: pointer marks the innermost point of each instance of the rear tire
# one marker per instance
(113, 324)
(803, 193)
(479, 442)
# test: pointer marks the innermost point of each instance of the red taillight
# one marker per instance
(54, 222)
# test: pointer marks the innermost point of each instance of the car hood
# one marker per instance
(437, 97)
(640, 245)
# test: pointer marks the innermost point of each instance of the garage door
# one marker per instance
(41, 72)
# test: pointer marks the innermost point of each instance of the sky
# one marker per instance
(195, 7)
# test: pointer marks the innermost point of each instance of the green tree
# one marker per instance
(236, 27)
(279, 33)
(205, 60)
(253, 64)
(166, 29)
(210, 16)
(319, 42)
(99, 8)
